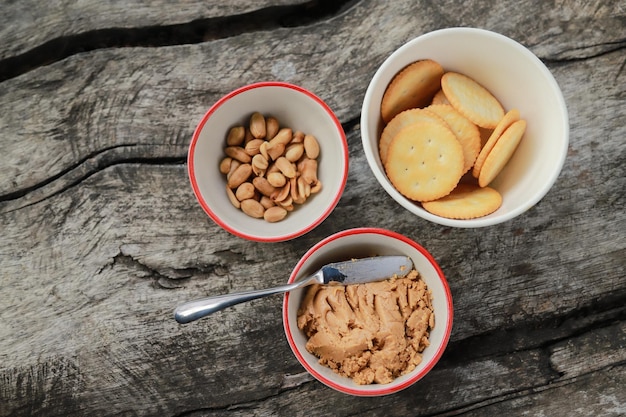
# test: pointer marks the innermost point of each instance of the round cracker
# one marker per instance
(509, 118)
(466, 201)
(501, 152)
(439, 98)
(466, 132)
(413, 87)
(401, 121)
(424, 161)
(472, 100)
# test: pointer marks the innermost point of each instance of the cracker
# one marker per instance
(401, 121)
(424, 161)
(466, 201)
(472, 100)
(413, 87)
(439, 98)
(510, 117)
(501, 152)
(466, 132)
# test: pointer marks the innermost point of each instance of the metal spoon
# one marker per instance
(355, 271)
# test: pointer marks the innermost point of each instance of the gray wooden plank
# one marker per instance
(101, 235)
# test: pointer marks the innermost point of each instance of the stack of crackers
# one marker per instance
(432, 138)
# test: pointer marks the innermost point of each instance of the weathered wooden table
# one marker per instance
(101, 236)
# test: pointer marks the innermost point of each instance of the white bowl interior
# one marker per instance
(518, 79)
(294, 107)
(357, 243)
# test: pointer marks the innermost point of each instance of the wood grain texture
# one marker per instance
(102, 237)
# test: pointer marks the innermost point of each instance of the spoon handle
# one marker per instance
(194, 310)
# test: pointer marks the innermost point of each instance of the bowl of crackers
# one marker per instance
(465, 127)
(370, 339)
(268, 162)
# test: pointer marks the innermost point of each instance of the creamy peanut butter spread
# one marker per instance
(371, 332)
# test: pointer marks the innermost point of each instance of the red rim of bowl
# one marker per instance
(213, 215)
(385, 389)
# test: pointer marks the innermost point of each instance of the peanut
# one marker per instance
(240, 175)
(275, 150)
(298, 137)
(225, 165)
(309, 171)
(234, 164)
(253, 147)
(286, 167)
(264, 187)
(257, 125)
(311, 147)
(259, 165)
(277, 179)
(245, 191)
(283, 136)
(238, 153)
(232, 197)
(274, 214)
(266, 202)
(294, 152)
(271, 127)
(282, 194)
(236, 135)
(252, 208)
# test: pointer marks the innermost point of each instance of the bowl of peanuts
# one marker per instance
(375, 338)
(465, 127)
(268, 162)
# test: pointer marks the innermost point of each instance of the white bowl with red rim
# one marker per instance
(294, 107)
(358, 243)
(518, 79)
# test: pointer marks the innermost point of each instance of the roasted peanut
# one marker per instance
(275, 150)
(287, 167)
(294, 152)
(304, 189)
(225, 165)
(245, 191)
(311, 147)
(274, 214)
(309, 171)
(232, 197)
(259, 162)
(277, 179)
(266, 202)
(236, 135)
(263, 150)
(298, 137)
(248, 136)
(233, 166)
(283, 136)
(257, 125)
(240, 175)
(271, 127)
(317, 187)
(281, 194)
(238, 153)
(264, 187)
(253, 147)
(252, 208)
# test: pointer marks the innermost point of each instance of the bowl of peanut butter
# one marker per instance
(375, 338)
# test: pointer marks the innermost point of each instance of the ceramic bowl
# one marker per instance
(293, 107)
(518, 79)
(364, 242)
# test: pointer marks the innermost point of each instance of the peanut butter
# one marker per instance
(371, 332)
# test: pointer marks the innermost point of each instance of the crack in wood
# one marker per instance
(77, 173)
(197, 31)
